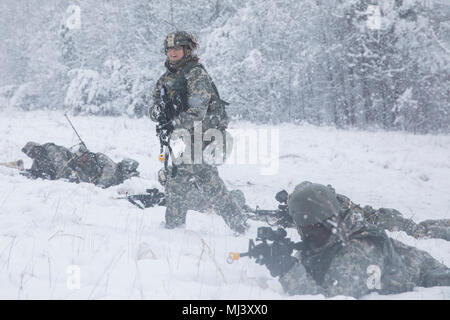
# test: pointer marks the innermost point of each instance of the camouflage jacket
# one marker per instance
(358, 259)
(203, 101)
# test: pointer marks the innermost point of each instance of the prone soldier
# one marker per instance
(53, 162)
(342, 252)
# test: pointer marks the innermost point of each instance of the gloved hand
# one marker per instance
(156, 112)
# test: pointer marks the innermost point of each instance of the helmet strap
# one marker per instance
(185, 51)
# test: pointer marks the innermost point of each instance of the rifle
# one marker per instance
(153, 197)
(170, 106)
(281, 215)
(276, 256)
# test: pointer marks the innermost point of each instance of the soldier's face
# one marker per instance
(316, 234)
(175, 54)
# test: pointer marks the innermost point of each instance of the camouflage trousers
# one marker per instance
(393, 220)
(421, 268)
(198, 187)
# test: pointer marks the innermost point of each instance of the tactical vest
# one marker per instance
(216, 116)
(177, 93)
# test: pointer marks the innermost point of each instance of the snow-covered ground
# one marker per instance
(47, 227)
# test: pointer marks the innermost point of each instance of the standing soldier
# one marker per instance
(187, 87)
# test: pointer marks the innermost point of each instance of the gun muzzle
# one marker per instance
(233, 256)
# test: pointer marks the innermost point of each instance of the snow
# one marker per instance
(83, 87)
(47, 227)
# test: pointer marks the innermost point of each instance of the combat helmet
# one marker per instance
(180, 38)
(31, 148)
(127, 167)
(312, 203)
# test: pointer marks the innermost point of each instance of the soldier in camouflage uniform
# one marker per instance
(196, 186)
(393, 220)
(52, 162)
(343, 254)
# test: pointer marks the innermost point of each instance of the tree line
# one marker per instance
(348, 63)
